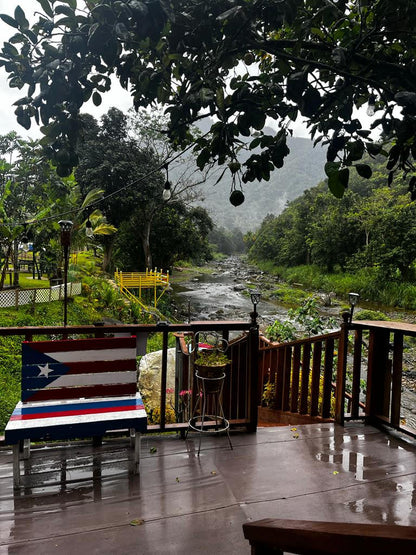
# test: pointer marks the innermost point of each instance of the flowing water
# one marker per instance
(222, 294)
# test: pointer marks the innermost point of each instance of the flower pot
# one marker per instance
(205, 371)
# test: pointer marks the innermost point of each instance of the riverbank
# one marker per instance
(221, 289)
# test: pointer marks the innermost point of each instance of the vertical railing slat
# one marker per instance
(279, 377)
(316, 375)
(294, 401)
(306, 357)
(356, 374)
(287, 364)
(327, 386)
(396, 392)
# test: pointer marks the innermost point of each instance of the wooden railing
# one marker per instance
(306, 537)
(371, 362)
(301, 374)
(240, 390)
(351, 374)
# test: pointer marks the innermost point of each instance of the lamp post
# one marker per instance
(66, 226)
(353, 299)
(255, 297)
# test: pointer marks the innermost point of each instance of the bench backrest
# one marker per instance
(78, 368)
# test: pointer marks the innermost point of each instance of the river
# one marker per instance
(217, 293)
(221, 294)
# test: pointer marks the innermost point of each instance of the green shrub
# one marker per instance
(370, 315)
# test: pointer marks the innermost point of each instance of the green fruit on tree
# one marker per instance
(248, 58)
(237, 198)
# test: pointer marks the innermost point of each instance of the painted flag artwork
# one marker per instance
(70, 387)
(78, 368)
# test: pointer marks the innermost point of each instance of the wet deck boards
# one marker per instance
(184, 504)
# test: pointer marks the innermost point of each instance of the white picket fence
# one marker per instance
(20, 297)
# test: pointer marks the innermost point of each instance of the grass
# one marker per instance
(27, 282)
(367, 282)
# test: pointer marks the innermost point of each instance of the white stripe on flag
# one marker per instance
(93, 355)
(106, 378)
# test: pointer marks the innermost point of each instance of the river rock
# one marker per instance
(239, 287)
(150, 371)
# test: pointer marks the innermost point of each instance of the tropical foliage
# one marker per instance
(120, 155)
(240, 61)
(372, 226)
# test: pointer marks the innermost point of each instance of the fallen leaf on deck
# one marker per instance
(177, 479)
(335, 472)
(153, 450)
(213, 472)
(136, 522)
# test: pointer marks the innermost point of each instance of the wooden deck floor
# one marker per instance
(182, 503)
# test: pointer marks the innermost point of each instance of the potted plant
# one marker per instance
(211, 363)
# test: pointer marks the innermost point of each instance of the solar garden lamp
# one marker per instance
(255, 297)
(353, 300)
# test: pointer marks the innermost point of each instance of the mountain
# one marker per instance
(303, 168)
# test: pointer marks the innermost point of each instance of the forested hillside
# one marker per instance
(303, 169)
(373, 226)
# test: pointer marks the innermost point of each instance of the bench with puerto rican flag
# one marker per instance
(76, 388)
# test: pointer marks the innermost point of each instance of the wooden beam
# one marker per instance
(328, 538)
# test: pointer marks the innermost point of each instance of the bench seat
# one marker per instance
(75, 389)
(75, 418)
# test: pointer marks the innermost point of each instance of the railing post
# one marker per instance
(396, 390)
(253, 374)
(378, 375)
(164, 381)
(342, 370)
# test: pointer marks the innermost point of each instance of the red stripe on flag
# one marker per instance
(75, 412)
(82, 344)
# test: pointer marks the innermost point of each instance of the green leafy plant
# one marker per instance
(309, 318)
(281, 331)
(211, 357)
(269, 394)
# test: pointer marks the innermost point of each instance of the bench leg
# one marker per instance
(16, 465)
(137, 439)
(26, 449)
(97, 441)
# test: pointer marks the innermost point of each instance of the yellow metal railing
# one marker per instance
(151, 279)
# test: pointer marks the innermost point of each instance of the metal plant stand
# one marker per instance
(209, 389)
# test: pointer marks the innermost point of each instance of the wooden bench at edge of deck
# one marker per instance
(76, 388)
(275, 536)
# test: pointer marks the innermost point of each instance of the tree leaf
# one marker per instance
(65, 10)
(229, 13)
(331, 167)
(364, 170)
(338, 182)
(10, 49)
(46, 7)
(9, 20)
(20, 17)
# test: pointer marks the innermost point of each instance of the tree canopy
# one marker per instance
(372, 227)
(151, 230)
(237, 61)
